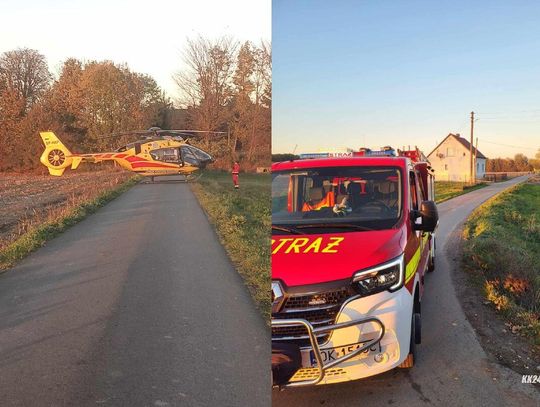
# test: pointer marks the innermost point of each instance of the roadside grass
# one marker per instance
(59, 218)
(445, 190)
(502, 255)
(242, 219)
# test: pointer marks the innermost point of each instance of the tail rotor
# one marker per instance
(56, 156)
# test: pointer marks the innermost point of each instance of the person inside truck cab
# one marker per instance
(373, 196)
(353, 194)
(348, 197)
(386, 192)
(321, 195)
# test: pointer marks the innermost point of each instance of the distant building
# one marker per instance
(451, 160)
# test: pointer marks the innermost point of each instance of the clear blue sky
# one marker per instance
(148, 35)
(354, 73)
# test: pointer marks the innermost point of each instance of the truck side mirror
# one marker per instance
(430, 217)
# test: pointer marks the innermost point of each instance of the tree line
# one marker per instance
(520, 163)
(225, 87)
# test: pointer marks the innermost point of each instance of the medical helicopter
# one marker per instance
(157, 152)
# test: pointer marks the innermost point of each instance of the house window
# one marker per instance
(446, 167)
(449, 152)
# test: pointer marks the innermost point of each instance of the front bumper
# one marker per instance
(379, 323)
(321, 367)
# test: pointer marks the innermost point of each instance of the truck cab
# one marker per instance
(351, 243)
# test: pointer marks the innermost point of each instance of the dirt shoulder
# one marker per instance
(511, 349)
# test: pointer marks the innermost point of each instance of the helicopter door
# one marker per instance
(167, 155)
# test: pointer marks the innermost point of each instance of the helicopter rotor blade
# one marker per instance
(194, 131)
(124, 133)
(150, 132)
(189, 133)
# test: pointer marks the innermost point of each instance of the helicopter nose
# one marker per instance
(207, 161)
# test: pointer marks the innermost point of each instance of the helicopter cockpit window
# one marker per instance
(195, 156)
(201, 155)
(168, 155)
(188, 156)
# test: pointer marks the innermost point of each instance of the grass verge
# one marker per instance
(242, 219)
(37, 235)
(445, 190)
(502, 255)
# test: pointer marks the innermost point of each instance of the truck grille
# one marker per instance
(320, 309)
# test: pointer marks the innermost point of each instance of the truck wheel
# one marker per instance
(411, 357)
(431, 260)
(417, 328)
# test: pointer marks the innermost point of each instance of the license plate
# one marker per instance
(330, 354)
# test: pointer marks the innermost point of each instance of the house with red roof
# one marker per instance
(451, 160)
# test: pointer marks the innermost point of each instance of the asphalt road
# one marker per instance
(452, 368)
(138, 305)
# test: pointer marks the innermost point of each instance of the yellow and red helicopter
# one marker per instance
(157, 152)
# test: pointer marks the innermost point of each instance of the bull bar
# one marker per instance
(313, 332)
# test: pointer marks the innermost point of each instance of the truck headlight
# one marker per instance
(387, 276)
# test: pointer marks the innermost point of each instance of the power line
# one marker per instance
(499, 120)
(506, 113)
(507, 145)
(521, 116)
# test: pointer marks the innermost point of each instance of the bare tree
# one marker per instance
(25, 71)
(250, 122)
(242, 104)
(206, 84)
(262, 81)
(266, 58)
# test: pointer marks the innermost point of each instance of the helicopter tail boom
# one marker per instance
(56, 156)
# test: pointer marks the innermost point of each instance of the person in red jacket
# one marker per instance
(235, 171)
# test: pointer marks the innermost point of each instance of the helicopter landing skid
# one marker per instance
(193, 178)
(187, 179)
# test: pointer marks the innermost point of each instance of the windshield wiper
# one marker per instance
(334, 225)
(287, 229)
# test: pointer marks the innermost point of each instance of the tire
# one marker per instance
(409, 361)
(417, 320)
(431, 260)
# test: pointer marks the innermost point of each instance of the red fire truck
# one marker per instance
(352, 239)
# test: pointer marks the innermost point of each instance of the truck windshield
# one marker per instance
(355, 198)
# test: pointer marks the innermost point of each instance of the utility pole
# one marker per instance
(471, 147)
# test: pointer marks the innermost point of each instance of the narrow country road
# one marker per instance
(452, 368)
(137, 305)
